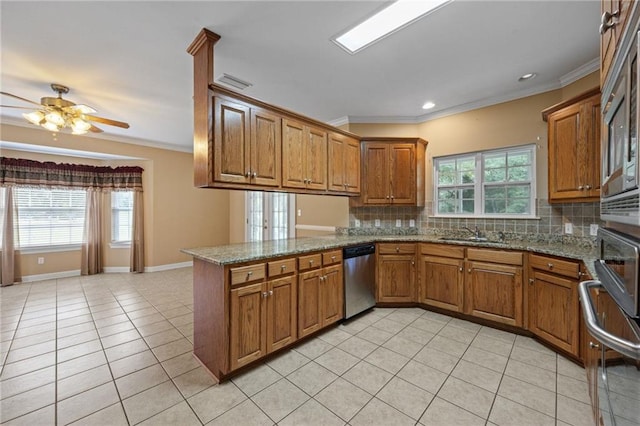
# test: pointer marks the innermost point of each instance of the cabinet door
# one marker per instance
(564, 153)
(316, 158)
(592, 164)
(232, 128)
(441, 282)
(402, 173)
(266, 140)
(352, 165)
(282, 309)
(396, 278)
(336, 171)
(247, 318)
(553, 310)
(494, 292)
(376, 173)
(332, 295)
(309, 312)
(293, 146)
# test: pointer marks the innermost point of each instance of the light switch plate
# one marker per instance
(412, 223)
(357, 223)
(398, 223)
(377, 223)
(568, 228)
(593, 229)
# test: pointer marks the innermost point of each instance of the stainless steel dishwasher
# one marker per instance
(359, 278)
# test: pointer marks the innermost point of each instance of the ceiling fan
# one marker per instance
(56, 113)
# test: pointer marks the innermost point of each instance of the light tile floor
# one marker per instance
(115, 349)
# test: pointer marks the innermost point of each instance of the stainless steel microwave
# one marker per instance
(620, 191)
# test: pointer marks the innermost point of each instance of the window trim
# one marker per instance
(479, 185)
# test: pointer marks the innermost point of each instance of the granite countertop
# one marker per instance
(247, 252)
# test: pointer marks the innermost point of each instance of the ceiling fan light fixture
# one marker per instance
(35, 117)
(50, 126)
(79, 125)
(54, 117)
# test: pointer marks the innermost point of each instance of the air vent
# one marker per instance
(234, 81)
(621, 205)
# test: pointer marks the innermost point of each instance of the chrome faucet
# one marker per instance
(476, 232)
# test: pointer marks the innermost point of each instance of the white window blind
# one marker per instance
(49, 218)
(121, 216)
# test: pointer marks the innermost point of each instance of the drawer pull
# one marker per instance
(311, 262)
(550, 265)
(333, 258)
(283, 267)
(397, 249)
(594, 345)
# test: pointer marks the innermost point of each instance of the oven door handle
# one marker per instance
(612, 341)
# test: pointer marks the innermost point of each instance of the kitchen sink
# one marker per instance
(472, 240)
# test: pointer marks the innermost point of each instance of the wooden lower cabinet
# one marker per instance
(320, 299)
(396, 273)
(441, 279)
(263, 319)
(553, 302)
(494, 292)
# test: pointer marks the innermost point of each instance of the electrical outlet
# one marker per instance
(398, 223)
(593, 229)
(412, 223)
(568, 228)
(357, 223)
(41, 261)
(299, 212)
(377, 223)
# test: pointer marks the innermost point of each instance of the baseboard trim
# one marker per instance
(168, 266)
(115, 269)
(50, 276)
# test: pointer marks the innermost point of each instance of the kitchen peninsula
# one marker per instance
(253, 299)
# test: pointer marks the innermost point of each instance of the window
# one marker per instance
(496, 183)
(121, 216)
(50, 217)
(268, 215)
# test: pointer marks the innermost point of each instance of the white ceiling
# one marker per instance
(128, 59)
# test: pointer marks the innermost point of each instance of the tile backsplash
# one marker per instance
(549, 224)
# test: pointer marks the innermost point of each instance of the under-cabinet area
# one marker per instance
(246, 310)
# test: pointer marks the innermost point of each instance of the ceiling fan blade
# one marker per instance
(83, 109)
(95, 129)
(12, 106)
(107, 121)
(22, 99)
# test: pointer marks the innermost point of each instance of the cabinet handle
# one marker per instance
(461, 269)
(588, 187)
(322, 278)
(283, 267)
(264, 294)
(247, 175)
(270, 292)
(469, 270)
(311, 262)
(333, 258)
(397, 249)
(594, 345)
(387, 197)
(531, 281)
(606, 22)
(550, 265)
(392, 197)
(413, 262)
(254, 175)
(580, 188)
(249, 275)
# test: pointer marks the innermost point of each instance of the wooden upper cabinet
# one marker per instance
(304, 156)
(574, 148)
(247, 148)
(344, 164)
(610, 39)
(392, 172)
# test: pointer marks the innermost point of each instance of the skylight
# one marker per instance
(387, 21)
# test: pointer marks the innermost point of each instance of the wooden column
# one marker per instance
(202, 51)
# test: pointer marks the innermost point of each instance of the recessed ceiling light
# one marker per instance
(527, 76)
(428, 105)
(388, 20)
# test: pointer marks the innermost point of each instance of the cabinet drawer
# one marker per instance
(495, 256)
(331, 257)
(247, 274)
(279, 268)
(401, 248)
(556, 266)
(442, 250)
(309, 262)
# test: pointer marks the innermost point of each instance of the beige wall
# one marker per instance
(321, 210)
(507, 124)
(177, 215)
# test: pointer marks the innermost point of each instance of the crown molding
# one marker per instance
(103, 136)
(341, 121)
(583, 71)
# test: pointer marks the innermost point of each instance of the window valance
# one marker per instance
(21, 172)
